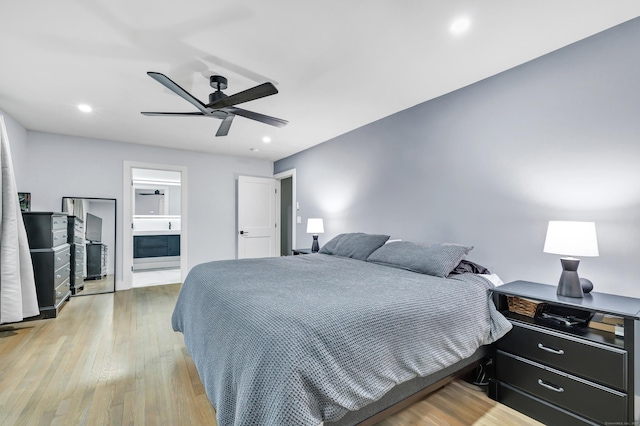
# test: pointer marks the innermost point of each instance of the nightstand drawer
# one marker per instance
(590, 360)
(563, 390)
(537, 408)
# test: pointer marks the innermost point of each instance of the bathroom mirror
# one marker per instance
(92, 236)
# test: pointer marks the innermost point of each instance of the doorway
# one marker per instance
(155, 241)
(261, 204)
(287, 211)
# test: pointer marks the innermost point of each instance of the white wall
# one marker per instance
(55, 166)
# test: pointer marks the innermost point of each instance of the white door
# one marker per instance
(256, 217)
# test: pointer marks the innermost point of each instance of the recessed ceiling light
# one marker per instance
(266, 139)
(85, 108)
(460, 25)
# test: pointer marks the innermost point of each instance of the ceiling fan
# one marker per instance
(220, 105)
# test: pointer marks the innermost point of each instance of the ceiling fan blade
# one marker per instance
(175, 88)
(177, 114)
(223, 130)
(257, 92)
(277, 122)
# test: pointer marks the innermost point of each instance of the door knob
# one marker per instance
(243, 232)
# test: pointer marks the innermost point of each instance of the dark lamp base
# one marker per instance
(315, 247)
(569, 284)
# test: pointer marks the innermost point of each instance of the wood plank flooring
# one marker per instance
(113, 359)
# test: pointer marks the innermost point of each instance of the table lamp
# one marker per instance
(571, 239)
(315, 227)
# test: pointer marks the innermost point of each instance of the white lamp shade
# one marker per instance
(571, 238)
(315, 226)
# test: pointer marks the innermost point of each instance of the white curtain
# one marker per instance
(18, 299)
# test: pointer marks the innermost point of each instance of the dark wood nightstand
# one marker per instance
(564, 375)
(301, 251)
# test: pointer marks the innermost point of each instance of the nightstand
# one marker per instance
(562, 374)
(301, 251)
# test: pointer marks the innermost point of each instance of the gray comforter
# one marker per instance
(299, 340)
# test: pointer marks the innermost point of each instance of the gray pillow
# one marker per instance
(356, 245)
(435, 259)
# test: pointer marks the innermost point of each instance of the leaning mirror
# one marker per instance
(92, 237)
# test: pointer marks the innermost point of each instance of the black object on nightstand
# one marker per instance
(566, 373)
(301, 251)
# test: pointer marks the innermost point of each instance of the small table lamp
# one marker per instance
(571, 239)
(315, 227)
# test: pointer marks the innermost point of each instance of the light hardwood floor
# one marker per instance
(113, 359)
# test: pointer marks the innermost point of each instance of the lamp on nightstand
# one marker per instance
(571, 239)
(315, 227)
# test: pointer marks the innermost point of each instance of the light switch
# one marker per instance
(297, 206)
(298, 219)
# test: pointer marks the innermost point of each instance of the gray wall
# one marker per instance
(557, 138)
(51, 166)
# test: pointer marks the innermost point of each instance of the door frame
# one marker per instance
(294, 206)
(127, 218)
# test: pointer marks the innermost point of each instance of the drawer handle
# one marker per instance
(553, 351)
(550, 386)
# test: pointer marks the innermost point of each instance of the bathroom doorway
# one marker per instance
(156, 247)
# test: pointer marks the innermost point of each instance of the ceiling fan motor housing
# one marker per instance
(216, 96)
(218, 82)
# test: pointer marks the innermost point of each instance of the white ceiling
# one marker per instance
(338, 65)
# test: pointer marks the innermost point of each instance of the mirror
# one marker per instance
(92, 237)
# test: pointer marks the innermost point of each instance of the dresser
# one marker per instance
(567, 374)
(50, 255)
(75, 238)
(96, 261)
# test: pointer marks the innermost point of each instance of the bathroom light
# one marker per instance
(460, 25)
(85, 108)
(266, 139)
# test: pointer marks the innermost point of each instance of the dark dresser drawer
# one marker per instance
(59, 237)
(569, 354)
(59, 222)
(62, 291)
(60, 275)
(61, 257)
(563, 390)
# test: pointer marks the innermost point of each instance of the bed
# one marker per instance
(332, 338)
